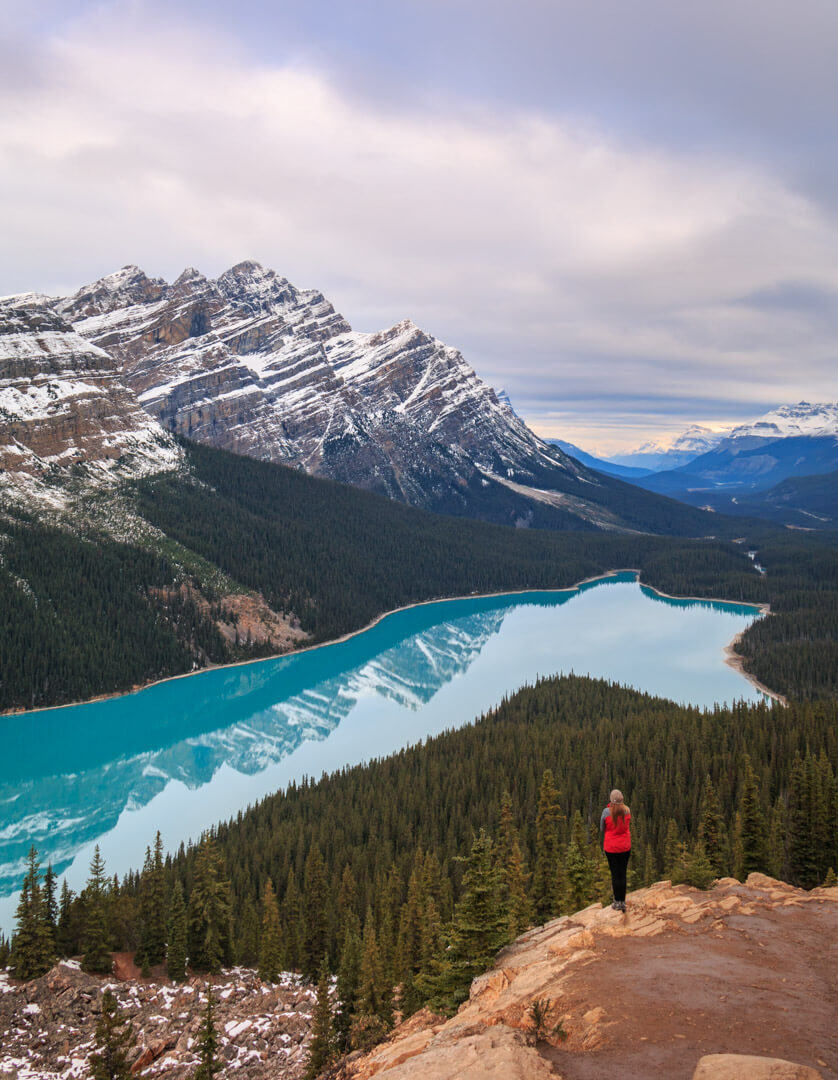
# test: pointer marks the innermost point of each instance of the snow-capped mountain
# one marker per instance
(792, 420)
(249, 363)
(790, 441)
(655, 456)
(252, 364)
(64, 410)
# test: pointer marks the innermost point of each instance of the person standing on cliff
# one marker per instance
(615, 826)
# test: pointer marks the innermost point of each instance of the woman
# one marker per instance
(615, 826)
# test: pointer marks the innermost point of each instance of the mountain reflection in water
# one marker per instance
(71, 776)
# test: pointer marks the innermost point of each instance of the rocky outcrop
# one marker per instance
(740, 969)
(47, 1026)
(65, 412)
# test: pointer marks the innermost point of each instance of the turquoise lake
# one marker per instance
(184, 754)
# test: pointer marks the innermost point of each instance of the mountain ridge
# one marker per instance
(249, 363)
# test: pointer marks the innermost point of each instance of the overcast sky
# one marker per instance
(626, 214)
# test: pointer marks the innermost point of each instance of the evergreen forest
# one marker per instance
(412, 871)
(84, 615)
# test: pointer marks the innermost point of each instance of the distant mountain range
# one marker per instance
(781, 466)
(249, 363)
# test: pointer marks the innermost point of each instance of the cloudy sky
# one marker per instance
(624, 213)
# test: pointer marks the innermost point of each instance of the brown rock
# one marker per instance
(745, 1067)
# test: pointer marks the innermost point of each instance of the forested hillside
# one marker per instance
(83, 616)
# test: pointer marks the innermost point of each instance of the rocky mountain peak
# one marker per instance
(63, 407)
(123, 288)
(786, 421)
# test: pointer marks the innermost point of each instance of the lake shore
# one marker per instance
(731, 657)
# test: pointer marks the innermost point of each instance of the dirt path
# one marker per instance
(767, 985)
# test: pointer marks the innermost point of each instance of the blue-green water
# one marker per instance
(186, 753)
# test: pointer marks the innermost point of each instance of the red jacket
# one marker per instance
(617, 837)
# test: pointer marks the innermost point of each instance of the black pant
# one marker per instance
(618, 864)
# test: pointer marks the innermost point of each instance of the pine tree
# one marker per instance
(579, 868)
(51, 906)
(206, 1044)
(153, 913)
(546, 878)
(674, 854)
(348, 982)
(178, 931)
(513, 874)
(247, 934)
(67, 936)
(711, 830)
(114, 1041)
(33, 949)
(316, 922)
(374, 992)
(698, 870)
(479, 929)
(388, 924)
(322, 1049)
(97, 945)
(210, 909)
(293, 923)
(347, 897)
(270, 941)
(752, 826)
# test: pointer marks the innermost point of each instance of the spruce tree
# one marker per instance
(546, 878)
(33, 949)
(348, 982)
(323, 1048)
(97, 945)
(210, 909)
(711, 830)
(67, 936)
(206, 1044)
(753, 826)
(153, 913)
(698, 870)
(176, 956)
(579, 867)
(479, 929)
(114, 1041)
(293, 923)
(513, 873)
(247, 933)
(51, 906)
(316, 923)
(374, 992)
(270, 941)
(674, 854)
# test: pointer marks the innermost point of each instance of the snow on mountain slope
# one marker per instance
(792, 420)
(64, 409)
(252, 364)
(654, 456)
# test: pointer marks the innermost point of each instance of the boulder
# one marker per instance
(746, 1067)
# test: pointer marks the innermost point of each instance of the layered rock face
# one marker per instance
(739, 970)
(249, 363)
(63, 404)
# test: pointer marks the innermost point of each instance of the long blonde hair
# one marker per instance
(618, 812)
